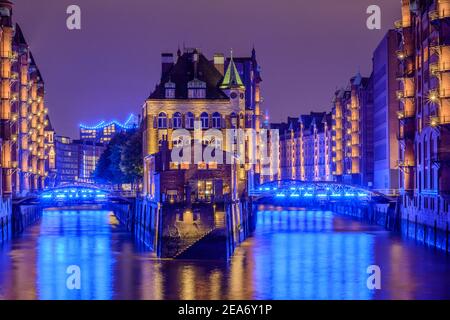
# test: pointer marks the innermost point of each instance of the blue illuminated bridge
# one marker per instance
(74, 195)
(302, 191)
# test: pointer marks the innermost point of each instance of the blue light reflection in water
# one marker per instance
(310, 261)
(294, 254)
(79, 238)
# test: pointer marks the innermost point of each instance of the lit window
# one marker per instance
(162, 121)
(216, 120)
(196, 89)
(204, 118)
(189, 120)
(212, 165)
(185, 166)
(177, 120)
(170, 90)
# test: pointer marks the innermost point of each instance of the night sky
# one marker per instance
(106, 70)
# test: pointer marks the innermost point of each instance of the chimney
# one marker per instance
(166, 62)
(219, 62)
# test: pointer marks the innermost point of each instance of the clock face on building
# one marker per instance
(233, 95)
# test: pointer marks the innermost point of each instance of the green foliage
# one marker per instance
(121, 162)
(131, 158)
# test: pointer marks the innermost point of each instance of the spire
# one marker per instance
(232, 78)
(357, 79)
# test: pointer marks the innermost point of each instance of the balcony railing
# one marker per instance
(438, 121)
(436, 15)
(444, 93)
(6, 55)
(406, 164)
(11, 165)
(404, 94)
(403, 114)
(437, 68)
(398, 24)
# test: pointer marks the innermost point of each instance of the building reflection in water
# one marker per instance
(79, 238)
(294, 254)
(300, 256)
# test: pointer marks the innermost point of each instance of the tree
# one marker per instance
(102, 174)
(121, 162)
(131, 163)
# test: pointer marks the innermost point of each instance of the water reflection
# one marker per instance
(310, 261)
(79, 238)
(294, 254)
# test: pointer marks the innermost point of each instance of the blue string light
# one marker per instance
(103, 124)
(72, 194)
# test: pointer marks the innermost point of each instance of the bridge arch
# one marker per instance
(324, 191)
(74, 194)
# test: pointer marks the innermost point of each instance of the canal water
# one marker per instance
(294, 254)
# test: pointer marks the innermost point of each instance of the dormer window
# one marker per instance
(170, 90)
(5, 12)
(196, 89)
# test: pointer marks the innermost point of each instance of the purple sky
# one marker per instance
(106, 70)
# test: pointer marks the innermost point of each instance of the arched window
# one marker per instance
(204, 118)
(233, 120)
(189, 122)
(162, 121)
(177, 120)
(216, 120)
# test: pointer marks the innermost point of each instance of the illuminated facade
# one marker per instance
(306, 148)
(104, 131)
(353, 132)
(50, 149)
(76, 160)
(424, 111)
(23, 117)
(219, 94)
(67, 160)
(89, 154)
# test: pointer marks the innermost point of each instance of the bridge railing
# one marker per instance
(73, 194)
(318, 191)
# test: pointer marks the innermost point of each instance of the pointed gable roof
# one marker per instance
(19, 38)
(184, 71)
(232, 78)
(49, 126)
(36, 69)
